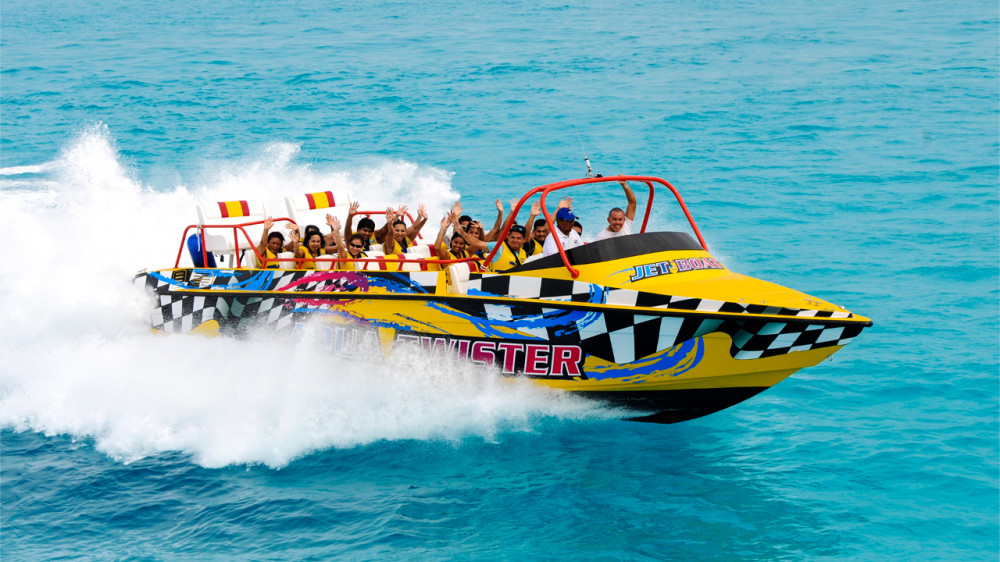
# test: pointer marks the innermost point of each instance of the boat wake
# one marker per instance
(79, 358)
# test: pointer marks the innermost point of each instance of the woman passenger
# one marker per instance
(312, 249)
(270, 245)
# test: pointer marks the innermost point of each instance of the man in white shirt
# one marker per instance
(564, 230)
(619, 221)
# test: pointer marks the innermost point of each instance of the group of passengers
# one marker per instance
(468, 239)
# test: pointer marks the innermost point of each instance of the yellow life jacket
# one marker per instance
(350, 264)
(532, 247)
(507, 259)
(272, 258)
(306, 254)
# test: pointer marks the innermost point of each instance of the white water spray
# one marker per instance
(79, 359)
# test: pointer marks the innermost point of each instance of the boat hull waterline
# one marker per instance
(622, 331)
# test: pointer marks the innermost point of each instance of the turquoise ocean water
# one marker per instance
(849, 150)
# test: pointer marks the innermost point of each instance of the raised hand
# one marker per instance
(499, 205)
(268, 222)
(456, 209)
(334, 222)
(390, 215)
(566, 202)
(536, 208)
(353, 210)
(445, 222)
(401, 211)
(294, 234)
(422, 212)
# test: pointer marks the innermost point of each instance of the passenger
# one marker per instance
(400, 237)
(270, 245)
(303, 234)
(455, 250)
(578, 227)
(366, 227)
(510, 256)
(312, 249)
(619, 221)
(538, 233)
(564, 230)
(353, 250)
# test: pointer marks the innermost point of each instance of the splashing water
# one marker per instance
(79, 358)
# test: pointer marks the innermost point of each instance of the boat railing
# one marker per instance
(240, 228)
(544, 190)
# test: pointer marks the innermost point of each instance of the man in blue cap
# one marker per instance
(564, 230)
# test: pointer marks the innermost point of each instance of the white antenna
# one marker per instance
(590, 172)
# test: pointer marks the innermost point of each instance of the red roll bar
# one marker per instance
(546, 189)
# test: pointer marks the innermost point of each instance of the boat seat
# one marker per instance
(458, 278)
(286, 260)
(535, 257)
(325, 262)
(419, 251)
(312, 208)
(223, 213)
(378, 265)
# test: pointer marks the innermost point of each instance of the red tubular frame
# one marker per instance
(298, 261)
(546, 189)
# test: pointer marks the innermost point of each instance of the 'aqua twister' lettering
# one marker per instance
(513, 358)
(667, 267)
(529, 359)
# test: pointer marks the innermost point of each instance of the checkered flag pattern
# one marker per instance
(618, 336)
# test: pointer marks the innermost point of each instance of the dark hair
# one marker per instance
(310, 229)
(518, 229)
(359, 236)
(398, 221)
(539, 222)
(366, 223)
(316, 233)
(276, 235)
(464, 218)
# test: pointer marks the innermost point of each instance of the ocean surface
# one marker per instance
(846, 149)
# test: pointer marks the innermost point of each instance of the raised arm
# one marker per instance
(294, 235)
(387, 227)
(268, 222)
(630, 209)
(536, 208)
(491, 235)
(388, 240)
(331, 240)
(470, 240)
(414, 229)
(334, 223)
(442, 252)
(351, 211)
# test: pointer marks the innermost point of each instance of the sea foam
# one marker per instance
(79, 358)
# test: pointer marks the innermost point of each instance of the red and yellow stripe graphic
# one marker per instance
(320, 200)
(234, 209)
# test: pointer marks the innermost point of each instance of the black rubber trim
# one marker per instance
(672, 406)
(616, 249)
(674, 312)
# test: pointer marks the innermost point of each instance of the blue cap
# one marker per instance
(565, 214)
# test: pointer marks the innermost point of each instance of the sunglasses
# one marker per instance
(357, 245)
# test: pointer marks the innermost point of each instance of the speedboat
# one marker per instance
(651, 322)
